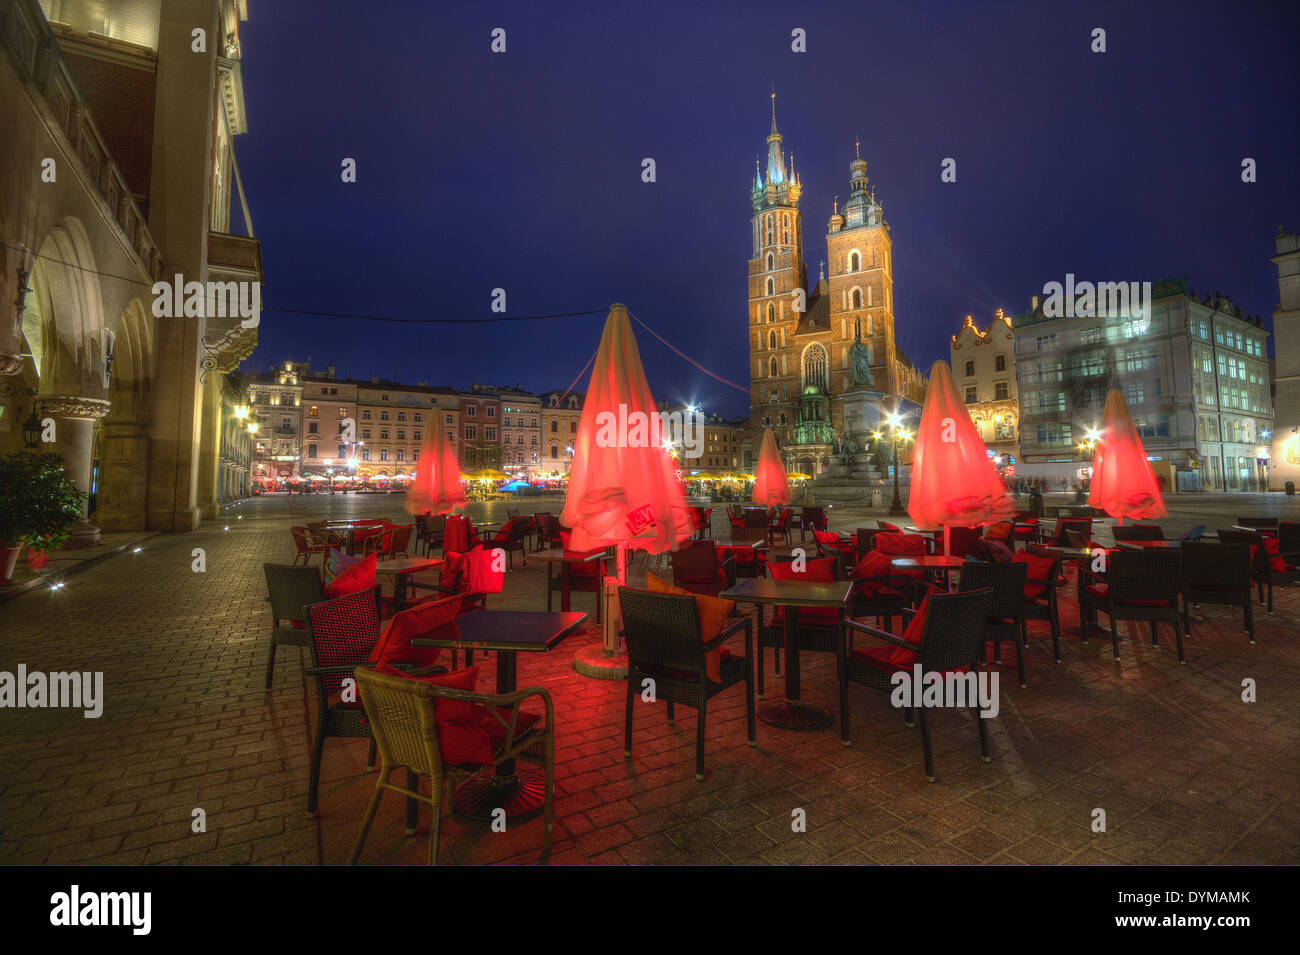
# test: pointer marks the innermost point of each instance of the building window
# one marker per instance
(383, 416)
(555, 426)
(314, 412)
(771, 339)
(855, 262)
(471, 433)
(491, 412)
(401, 435)
(471, 410)
(365, 414)
(772, 367)
(383, 433)
(365, 454)
(401, 454)
(415, 436)
(383, 397)
(1000, 363)
(1092, 336)
(1000, 391)
(451, 419)
(417, 417)
(857, 298)
(769, 261)
(815, 368)
(401, 416)
(311, 450)
(365, 432)
(383, 454)
(771, 285)
(1045, 343)
(970, 395)
(970, 369)
(311, 427)
(490, 433)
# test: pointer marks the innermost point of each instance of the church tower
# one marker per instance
(861, 290)
(778, 285)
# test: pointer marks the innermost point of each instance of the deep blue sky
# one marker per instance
(522, 170)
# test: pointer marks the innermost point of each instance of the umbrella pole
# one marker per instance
(604, 660)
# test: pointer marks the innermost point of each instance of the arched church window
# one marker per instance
(771, 312)
(857, 298)
(771, 339)
(815, 365)
(855, 263)
(772, 367)
(769, 261)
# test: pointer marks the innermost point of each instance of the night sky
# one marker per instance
(523, 170)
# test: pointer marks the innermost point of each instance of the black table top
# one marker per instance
(523, 630)
(786, 593)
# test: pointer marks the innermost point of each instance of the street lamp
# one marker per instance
(895, 422)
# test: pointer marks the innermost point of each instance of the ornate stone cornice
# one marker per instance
(72, 406)
(10, 364)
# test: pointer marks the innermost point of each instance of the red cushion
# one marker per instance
(874, 564)
(394, 644)
(891, 657)
(503, 534)
(1040, 568)
(1277, 562)
(453, 564)
(1033, 591)
(820, 570)
(360, 576)
(462, 738)
(900, 545)
(868, 589)
(891, 527)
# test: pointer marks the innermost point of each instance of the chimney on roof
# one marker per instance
(329, 371)
(1034, 302)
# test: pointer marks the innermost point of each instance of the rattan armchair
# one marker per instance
(779, 525)
(511, 539)
(400, 541)
(1217, 574)
(1045, 604)
(809, 519)
(1140, 585)
(1288, 541)
(341, 633)
(305, 544)
(403, 721)
(291, 589)
(952, 638)
(1082, 525)
(1261, 565)
(664, 644)
(1006, 582)
(818, 627)
(432, 527)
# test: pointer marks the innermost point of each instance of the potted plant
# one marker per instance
(39, 504)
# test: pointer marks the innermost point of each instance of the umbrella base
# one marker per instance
(592, 662)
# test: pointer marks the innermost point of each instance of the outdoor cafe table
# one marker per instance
(1081, 556)
(565, 560)
(508, 632)
(348, 527)
(1144, 545)
(401, 571)
(932, 565)
(789, 711)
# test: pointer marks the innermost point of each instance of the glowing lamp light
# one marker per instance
(241, 411)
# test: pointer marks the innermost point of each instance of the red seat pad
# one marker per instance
(879, 590)
(1033, 591)
(1101, 590)
(394, 644)
(900, 545)
(890, 657)
(360, 576)
(462, 737)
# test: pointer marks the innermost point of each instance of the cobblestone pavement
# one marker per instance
(1185, 771)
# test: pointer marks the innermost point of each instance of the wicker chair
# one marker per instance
(1217, 574)
(1045, 605)
(305, 545)
(867, 540)
(1261, 566)
(1288, 540)
(696, 568)
(403, 720)
(342, 633)
(809, 519)
(952, 638)
(430, 530)
(584, 576)
(756, 517)
(1140, 585)
(818, 627)
(541, 521)
(1138, 532)
(1025, 529)
(291, 589)
(664, 644)
(965, 542)
(400, 541)
(1267, 525)
(511, 539)
(1007, 583)
(1082, 525)
(779, 525)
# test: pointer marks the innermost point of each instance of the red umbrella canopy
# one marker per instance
(437, 488)
(771, 489)
(1123, 484)
(623, 486)
(953, 478)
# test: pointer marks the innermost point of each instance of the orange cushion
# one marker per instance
(360, 576)
(1000, 531)
(712, 612)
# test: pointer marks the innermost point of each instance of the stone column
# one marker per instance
(210, 445)
(74, 433)
(123, 474)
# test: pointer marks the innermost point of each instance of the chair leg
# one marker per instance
(548, 797)
(370, 757)
(317, 750)
(1155, 634)
(699, 741)
(270, 664)
(1250, 623)
(760, 665)
(671, 715)
(371, 808)
(435, 824)
(926, 746)
(627, 720)
(1114, 633)
(985, 755)
(1178, 638)
(907, 717)
(1056, 633)
(1020, 665)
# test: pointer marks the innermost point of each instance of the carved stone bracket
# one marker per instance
(72, 406)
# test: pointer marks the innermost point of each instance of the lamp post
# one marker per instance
(895, 433)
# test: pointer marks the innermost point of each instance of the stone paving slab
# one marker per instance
(1186, 772)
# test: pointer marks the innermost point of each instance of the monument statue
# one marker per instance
(848, 448)
(860, 362)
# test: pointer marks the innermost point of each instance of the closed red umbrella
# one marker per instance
(437, 488)
(771, 488)
(623, 486)
(1123, 483)
(953, 478)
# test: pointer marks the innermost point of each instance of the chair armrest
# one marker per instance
(491, 701)
(879, 634)
(743, 623)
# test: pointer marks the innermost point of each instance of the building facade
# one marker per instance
(984, 367)
(117, 172)
(1284, 443)
(393, 420)
(800, 339)
(480, 428)
(329, 417)
(561, 412)
(276, 400)
(521, 432)
(1194, 374)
